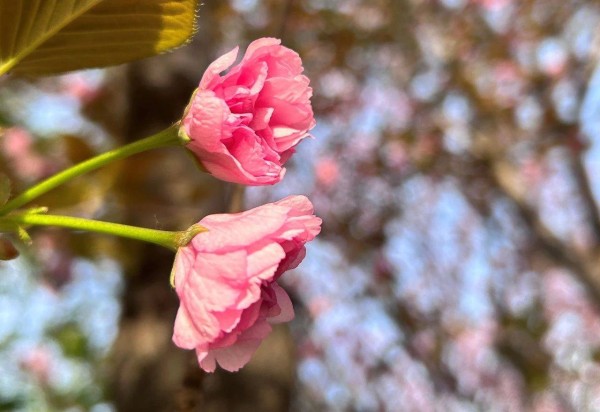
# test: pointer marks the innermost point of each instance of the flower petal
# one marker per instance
(218, 66)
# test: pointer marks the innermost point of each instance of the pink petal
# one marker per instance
(236, 356)
(299, 205)
(207, 123)
(291, 261)
(285, 304)
(206, 360)
(247, 148)
(263, 262)
(228, 319)
(184, 262)
(255, 47)
(262, 117)
(218, 66)
(230, 231)
(192, 330)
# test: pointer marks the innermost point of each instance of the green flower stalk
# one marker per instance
(171, 240)
(167, 137)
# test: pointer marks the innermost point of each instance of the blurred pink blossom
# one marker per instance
(493, 4)
(37, 361)
(80, 86)
(396, 155)
(471, 355)
(534, 171)
(226, 279)
(508, 83)
(244, 125)
(327, 171)
(553, 57)
(16, 144)
(319, 305)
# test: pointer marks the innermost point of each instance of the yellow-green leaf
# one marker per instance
(40, 37)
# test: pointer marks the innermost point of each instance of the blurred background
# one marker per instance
(454, 164)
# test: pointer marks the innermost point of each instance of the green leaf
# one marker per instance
(40, 37)
(4, 189)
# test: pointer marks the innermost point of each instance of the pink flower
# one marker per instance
(243, 125)
(226, 279)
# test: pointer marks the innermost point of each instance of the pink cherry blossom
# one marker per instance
(243, 125)
(226, 279)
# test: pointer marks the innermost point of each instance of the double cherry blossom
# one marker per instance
(242, 126)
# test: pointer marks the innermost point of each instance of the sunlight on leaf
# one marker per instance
(40, 37)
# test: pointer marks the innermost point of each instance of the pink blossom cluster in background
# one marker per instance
(474, 317)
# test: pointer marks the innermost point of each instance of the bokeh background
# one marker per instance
(455, 165)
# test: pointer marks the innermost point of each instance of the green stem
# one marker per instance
(167, 137)
(170, 240)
